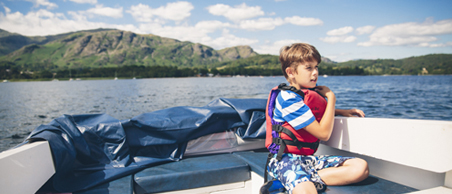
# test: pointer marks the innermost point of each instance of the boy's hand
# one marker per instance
(350, 113)
(324, 91)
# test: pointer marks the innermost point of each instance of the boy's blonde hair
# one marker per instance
(296, 54)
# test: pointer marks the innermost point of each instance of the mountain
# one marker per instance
(112, 48)
(10, 42)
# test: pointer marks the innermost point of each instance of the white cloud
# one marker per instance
(211, 25)
(339, 35)
(303, 21)
(272, 23)
(84, 1)
(261, 24)
(337, 39)
(44, 22)
(44, 3)
(411, 33)
(229, 40)
(340, 31)
(237, 13)
(365, 30)
(106, 11)
(275, 47)
(176, 11)
(77, 15)
(199, 33)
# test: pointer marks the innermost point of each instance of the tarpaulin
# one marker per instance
(92, 149)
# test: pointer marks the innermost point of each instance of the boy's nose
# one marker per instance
(315, 72)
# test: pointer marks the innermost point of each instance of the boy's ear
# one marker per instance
(290, 72)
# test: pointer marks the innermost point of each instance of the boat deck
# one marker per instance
(235, 169)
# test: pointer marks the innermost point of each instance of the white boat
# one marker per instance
(404, 156)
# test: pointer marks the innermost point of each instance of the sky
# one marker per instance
(341, 30)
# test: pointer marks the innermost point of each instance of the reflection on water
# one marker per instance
(26, 105)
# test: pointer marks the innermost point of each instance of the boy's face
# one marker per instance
(305, 76)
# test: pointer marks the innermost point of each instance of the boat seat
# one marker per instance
(192, 173)
(118, 186)
(372, 184)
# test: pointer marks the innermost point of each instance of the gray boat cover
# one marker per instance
(92, 149)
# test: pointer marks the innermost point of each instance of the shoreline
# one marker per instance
(226, 76)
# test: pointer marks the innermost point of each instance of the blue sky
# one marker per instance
(341, 30)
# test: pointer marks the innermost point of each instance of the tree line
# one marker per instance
(10, 72)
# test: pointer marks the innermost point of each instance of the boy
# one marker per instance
(294, 112)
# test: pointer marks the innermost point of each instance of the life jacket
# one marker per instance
(282, 137)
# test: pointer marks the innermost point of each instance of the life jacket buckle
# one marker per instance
(277, 128)
(277, 141)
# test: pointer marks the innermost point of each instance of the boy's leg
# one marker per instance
(305, 188)
(350, 171)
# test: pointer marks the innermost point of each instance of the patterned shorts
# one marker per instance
(294, 169)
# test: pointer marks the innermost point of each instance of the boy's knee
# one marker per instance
(305, 188)
(360, 168)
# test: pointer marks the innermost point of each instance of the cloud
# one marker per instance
(44, 3)
(337, 39)
(272, 23)
(176, 11)
(365, 30)
(229, 40)
(199, 33)
(447, 44)
(275, 47)
(106, 11)
(339, 35)
(261, 24)
(303, 21)
(410, 33)
(340, 31)
(211, 25)
(237, 13)
(44, 22)
(84, 1)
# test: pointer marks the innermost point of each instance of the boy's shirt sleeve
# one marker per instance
(291, 108)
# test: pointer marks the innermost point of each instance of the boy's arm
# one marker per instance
(350, 112)
(322, 130)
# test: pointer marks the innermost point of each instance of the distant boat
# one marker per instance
(5, 81)
(325, 75)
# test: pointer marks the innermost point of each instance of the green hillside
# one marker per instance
(10, 42)
(115, 48)
(433, 63)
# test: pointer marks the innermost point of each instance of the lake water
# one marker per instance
(26, 105)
